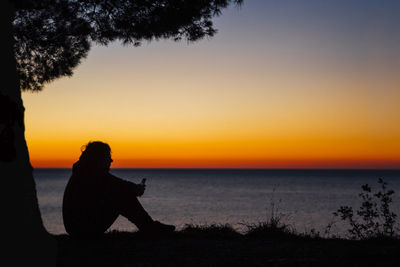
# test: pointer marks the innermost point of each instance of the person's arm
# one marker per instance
(136, 189)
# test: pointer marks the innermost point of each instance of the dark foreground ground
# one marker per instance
(222, 246)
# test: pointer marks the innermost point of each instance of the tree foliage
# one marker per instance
(53, 36)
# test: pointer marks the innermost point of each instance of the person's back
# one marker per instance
(83, 195)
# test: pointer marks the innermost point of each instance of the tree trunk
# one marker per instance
(28, 242)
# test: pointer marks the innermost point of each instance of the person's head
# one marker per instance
(96, 154)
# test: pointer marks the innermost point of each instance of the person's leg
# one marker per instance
(94, 223)
(125, 203)
(134, 212)
(104, 218)
(130, 207)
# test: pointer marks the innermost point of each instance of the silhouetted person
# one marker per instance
(94, 198)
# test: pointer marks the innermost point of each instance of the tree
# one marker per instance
(44, 40)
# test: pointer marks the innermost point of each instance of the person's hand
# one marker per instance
(140, 190)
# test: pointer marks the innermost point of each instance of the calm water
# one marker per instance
(305, 198)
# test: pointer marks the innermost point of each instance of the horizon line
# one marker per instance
(227, 168)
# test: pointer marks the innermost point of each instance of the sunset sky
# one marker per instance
(283, 84)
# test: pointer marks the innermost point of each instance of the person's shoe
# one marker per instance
(162, 227)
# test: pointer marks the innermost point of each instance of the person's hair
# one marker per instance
(94, 153)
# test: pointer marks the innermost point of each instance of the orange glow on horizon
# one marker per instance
(275, 153)
(235, 163)
(260, 153)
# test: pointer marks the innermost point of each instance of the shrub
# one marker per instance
(273, 227)
(374, 216)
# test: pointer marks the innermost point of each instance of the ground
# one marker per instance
(222, 246)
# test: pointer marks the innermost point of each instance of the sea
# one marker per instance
(302, 199)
